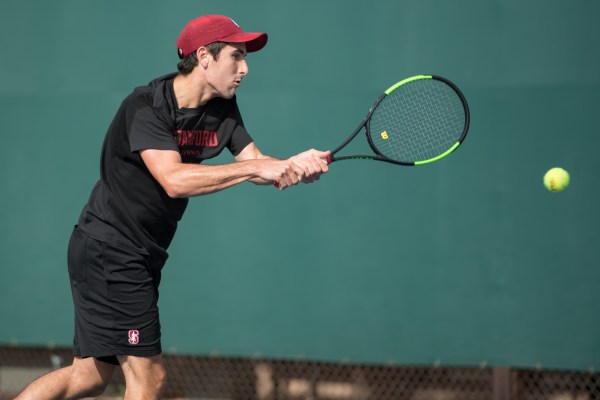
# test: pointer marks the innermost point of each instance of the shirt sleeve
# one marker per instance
(146, 130)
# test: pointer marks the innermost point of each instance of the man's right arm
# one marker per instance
(186, 180)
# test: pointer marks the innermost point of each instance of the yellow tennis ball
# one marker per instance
(556, 179)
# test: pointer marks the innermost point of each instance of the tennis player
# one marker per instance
(150, 166)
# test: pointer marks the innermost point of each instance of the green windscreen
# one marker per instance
(469, 260)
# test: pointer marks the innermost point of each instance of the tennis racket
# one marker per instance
(416, 121)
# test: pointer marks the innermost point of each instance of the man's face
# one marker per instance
(225, 74)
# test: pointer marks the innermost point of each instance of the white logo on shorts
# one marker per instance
(134, 337)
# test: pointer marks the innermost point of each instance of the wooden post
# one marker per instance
(502, 385)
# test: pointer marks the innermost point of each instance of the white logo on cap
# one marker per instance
(234, 22)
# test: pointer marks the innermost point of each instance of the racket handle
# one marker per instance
(325, 160)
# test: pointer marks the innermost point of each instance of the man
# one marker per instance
(150, 166)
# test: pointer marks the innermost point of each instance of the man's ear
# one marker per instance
(203, 54)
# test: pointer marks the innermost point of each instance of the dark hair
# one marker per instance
(188, 64)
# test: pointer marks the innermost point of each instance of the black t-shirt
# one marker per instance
(128, 207)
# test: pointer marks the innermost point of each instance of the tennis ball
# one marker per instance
(556, 179)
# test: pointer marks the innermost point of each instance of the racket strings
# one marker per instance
(418, 121)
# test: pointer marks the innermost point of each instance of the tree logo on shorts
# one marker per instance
(134, 337)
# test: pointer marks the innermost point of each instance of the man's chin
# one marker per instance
(228, 95)
(232, 93)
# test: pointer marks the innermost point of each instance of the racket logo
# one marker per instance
(134, 337)
(384, 135)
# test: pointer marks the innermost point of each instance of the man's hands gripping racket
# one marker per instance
(416, 121)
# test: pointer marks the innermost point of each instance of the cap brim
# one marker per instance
(254, 40)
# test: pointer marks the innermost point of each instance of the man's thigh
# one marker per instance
(92, 370)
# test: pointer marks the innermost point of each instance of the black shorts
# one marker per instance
(115, 295)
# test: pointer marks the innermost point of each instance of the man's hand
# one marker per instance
(305, 167)
(309, 165)
(284, 172)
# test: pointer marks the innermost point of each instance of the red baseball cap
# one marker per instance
(207, 29)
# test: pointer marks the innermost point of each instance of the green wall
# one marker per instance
(468, 261)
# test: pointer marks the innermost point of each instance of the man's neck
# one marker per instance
(191, 91)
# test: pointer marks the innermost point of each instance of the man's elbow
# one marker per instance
(173, 190)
